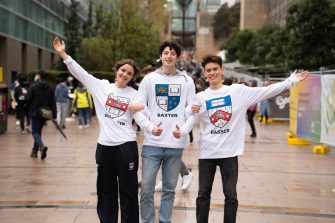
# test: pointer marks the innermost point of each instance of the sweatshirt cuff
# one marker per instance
(293, 79)
(68, 61)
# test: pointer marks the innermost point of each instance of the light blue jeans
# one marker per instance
(152, 159)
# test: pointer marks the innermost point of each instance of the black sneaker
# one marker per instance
(253, 135)
(44, 152)
(33, 154)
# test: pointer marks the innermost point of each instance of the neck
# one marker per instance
(119, 86)
(216, 86)
(169, 69)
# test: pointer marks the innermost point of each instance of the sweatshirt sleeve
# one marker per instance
(142, 120)
(253, 95)
(90, 82)
(190, 117)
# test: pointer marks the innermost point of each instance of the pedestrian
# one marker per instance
(166, 92)
(82, 103)
(221, 110)
(264, 108)
(185, 172)
(22, 109)
(116, 152)
(251, 111)
(61, 94)
(40, 96)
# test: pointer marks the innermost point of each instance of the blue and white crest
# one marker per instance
(168, 96)
(219, 111)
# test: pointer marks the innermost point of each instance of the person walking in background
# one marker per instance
(221, 110)
(264, 108)
(116, 152)
(251, 111)
(82, 103)
(166, 92)
(61, 94)
(40, 96)
(22, 107)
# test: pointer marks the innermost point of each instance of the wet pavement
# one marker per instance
(278, 183)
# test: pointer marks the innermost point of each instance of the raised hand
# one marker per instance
(60, 48)
(176, 132)
(301, 76)
(157, 130)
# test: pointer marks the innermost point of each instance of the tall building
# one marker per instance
(27, 30)
(206, 43)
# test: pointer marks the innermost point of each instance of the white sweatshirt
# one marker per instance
(111, 105)
(222, 116)
(166, 97)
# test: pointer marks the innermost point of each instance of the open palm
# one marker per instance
(58, 46)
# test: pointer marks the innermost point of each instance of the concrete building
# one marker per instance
(27, 30)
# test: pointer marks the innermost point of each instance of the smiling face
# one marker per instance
(214, 74)
(124, 75)
(169, 58)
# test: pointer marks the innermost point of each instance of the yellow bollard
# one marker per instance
(321, 149)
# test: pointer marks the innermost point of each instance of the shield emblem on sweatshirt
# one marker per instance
(168, 96)
(116, 106)
(219, 111)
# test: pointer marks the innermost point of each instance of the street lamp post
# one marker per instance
(184, 4)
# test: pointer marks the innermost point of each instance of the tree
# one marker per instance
(122, 32)
(312, 32)
(72, 30)
(225, 20)
(88, 25)
(239, 46)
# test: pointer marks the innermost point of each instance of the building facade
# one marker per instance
(27, 29)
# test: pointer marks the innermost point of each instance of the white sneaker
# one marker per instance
(17, 122)
(159, 186)
(186, 181)
(80, 126)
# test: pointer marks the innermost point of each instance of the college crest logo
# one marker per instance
(168, 96)
(219, 111)
(116, 105)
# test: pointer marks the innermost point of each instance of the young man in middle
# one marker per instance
(166, 92)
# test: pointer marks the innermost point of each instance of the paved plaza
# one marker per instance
(278, 183)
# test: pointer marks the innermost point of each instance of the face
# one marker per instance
(124, 74)
(169, 57)
(214, 73)
(37, 77)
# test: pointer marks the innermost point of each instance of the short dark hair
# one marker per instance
(130, 62)
(172, 45)
(211, 59)
(43, 74)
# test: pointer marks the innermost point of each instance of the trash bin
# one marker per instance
(3, 107)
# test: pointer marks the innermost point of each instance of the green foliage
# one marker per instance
(225, 20)
(240, 46)
(120, 33)
(312, 32)
(270, 44)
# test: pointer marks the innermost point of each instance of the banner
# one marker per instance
(328, 110)
(293, 108)
(280, 104)
(309, 109)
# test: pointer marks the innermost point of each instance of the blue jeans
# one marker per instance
(36, 131)
(152, 159)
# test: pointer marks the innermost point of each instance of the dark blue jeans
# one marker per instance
(117, 175)
(36, 131)
(229, 175)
